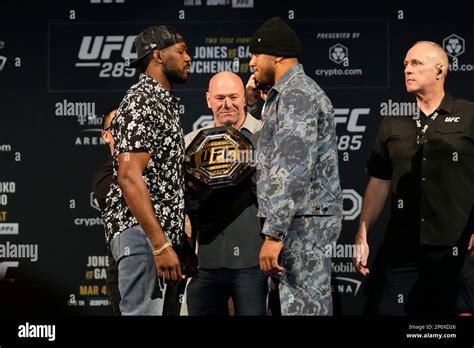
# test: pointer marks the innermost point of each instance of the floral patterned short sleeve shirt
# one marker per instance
(148, 121)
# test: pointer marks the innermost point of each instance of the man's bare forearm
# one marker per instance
(138, 199)
(375, 196)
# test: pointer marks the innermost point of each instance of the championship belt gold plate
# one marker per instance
(220, 157)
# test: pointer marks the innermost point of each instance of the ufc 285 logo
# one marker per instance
(98, 51)
(351, 118)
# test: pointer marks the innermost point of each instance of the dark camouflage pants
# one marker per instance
(305, 286)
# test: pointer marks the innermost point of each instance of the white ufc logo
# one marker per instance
(351, 117)
(95, 47)
(452, 119)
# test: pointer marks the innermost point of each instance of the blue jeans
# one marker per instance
(140, 290)
(209, 291)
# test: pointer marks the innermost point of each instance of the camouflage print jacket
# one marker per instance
(297, 165)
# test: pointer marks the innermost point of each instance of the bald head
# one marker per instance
(434, 53)
(426, 66)
(225, 79)
(226, 99)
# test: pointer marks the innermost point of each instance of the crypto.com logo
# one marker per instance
(454, 45)
(338, 53)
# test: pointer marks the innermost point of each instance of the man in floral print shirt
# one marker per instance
(144, 213)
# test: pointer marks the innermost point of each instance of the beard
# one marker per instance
(267, 77)
(175, 75)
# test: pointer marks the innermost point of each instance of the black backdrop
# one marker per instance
(62, 66)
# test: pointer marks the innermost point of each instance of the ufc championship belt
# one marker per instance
(220, 157)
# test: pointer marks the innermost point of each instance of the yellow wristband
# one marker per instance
(162, 249)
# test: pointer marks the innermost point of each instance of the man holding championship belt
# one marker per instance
(225, 219)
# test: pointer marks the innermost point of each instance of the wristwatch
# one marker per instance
(272, 238)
